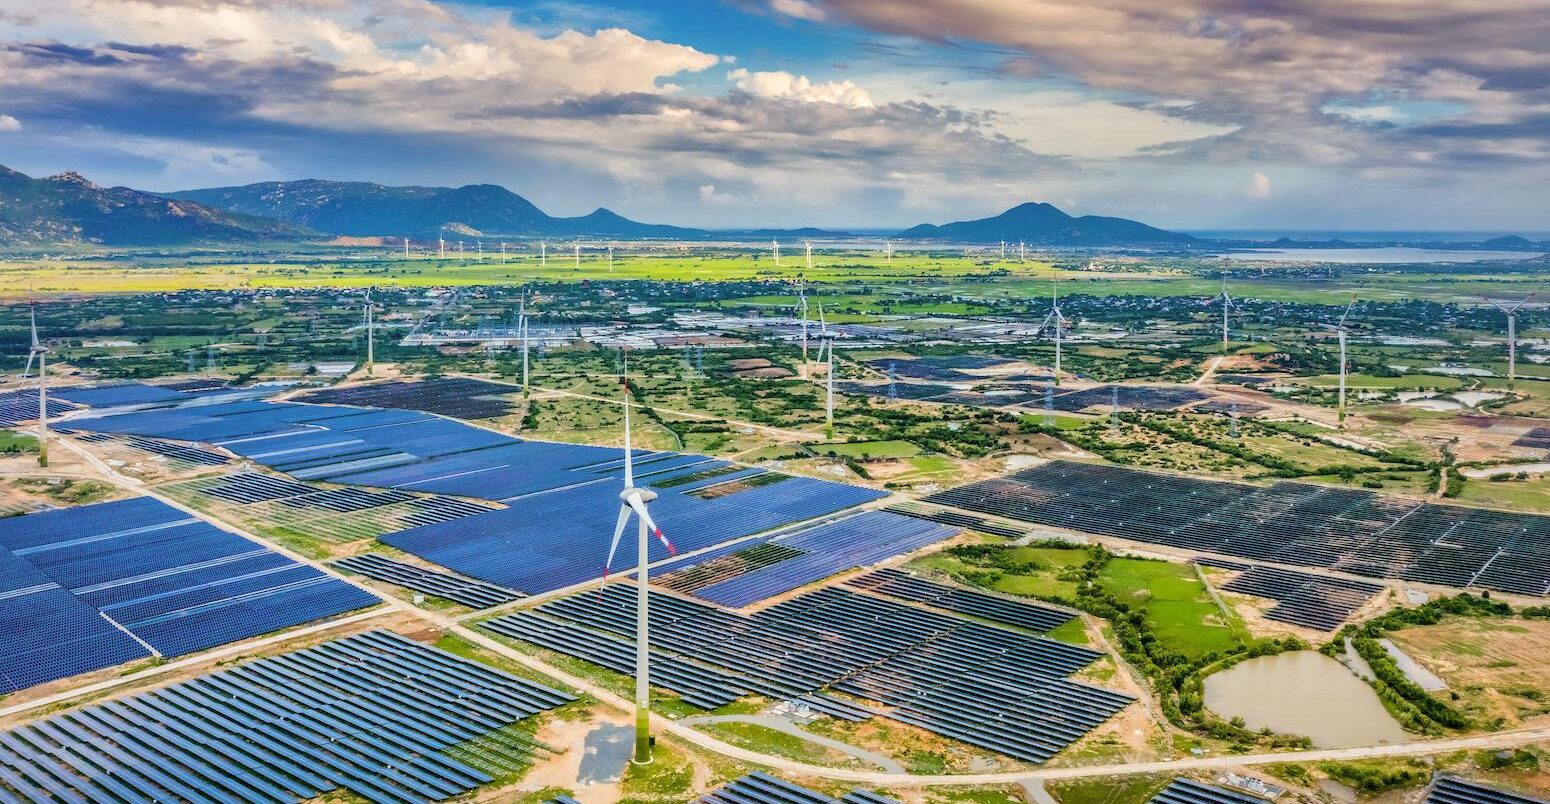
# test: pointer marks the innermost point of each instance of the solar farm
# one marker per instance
(1346, 530)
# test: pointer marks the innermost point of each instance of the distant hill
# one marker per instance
(1045, 224)
(363, 209)
(69, 209)
(1511, 242)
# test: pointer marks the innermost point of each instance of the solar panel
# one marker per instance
(1188, 791)
(387, 718)
(472, 594)
(1454, 790)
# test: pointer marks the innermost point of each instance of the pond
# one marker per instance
(1303, 693)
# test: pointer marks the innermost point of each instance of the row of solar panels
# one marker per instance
(376, 714)
(95, 586)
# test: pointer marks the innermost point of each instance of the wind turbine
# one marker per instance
(522, 333)
(441, 248)
(503, 252)
(1228, 305)
(826, 344)
(40, 352)
(1339, 328)
(809, 245)
(888, 250)
(610, 258)
(802, 308)
(543, 253)
(1057, 320)
(1512, 334)
(636, 500)
(577, 247)
(406, 248)
(371, 334)
(775, 247)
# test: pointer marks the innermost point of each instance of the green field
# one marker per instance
(869, 449)
(1174, 601)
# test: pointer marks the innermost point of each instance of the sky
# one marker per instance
(1187, 114)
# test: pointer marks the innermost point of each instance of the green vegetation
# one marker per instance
(1123, 790)
(14, 443)
(1371, 777)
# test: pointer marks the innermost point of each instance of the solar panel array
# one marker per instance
(265, 503)
(761, 788)
(179, 453)
(561, 498)
(1350, 530)
(904, 586)
(21, 406)
(472, 594)
(78, 582)
(783, 562)
(114, 395)
(458, 397)
(1537, 438)
(388, 719)
(1188, 791)
(956, 519)
(1453, 790)
(1131, 397)
(1230, 406)
(1001, 690)
(1314, 601)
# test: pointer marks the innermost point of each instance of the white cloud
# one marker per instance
(1259, 185)
(800, 9)
(782, 85)
(9, 123)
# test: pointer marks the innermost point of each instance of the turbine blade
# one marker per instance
(27, 372)
(624, 519)
(645, 516)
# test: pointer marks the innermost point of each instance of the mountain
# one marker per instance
(1044, 224)
(363, 209)
(69, 209)
(1510, 242)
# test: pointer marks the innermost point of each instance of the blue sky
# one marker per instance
(1264, 114)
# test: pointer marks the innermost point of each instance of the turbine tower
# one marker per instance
(40, 352)
(775, 247)
(636, 500)
(802, 310)
(827, 345)
(441, 248)
(809, 245)
(1228, 305)
(522, 333)
(371, 335)
(577, 247)
(1056, 320)
(406, 248)
(610, 258)
(888, 250)
(543, 253)
(1339, 328)
(1512, 334)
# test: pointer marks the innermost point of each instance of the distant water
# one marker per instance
(1304, 693)
(1385, 255)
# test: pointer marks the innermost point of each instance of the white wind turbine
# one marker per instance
(635, 500)
(543, 253)
(406, 248)
(802, 311)
(577, 247)
(1057, 321)
(371, 334)
(1512, 334)
(40, 352)
(522, 333)
(503, 252)
(809, 245)
(827, 345)
(1228, 305)
(1339, 328)
(775, 248)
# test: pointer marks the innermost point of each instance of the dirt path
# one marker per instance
(785, 726)
(1206, 375)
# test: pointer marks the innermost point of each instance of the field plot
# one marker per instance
(1314, 601)
(381, 716)
(82, 580)
(993, 688)
(1496, 665)
(1291, 523)
(458, 397)
(783, 562)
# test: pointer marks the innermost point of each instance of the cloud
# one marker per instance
(1259, 185)
(785, 86)
(800, 9)
(9, 123)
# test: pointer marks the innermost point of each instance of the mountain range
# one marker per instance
(69, 209)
